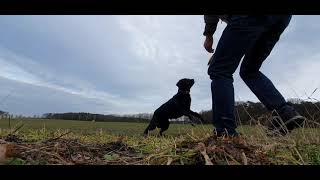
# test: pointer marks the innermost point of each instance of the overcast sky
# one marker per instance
(130, 64)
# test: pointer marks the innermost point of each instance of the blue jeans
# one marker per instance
(254, 38)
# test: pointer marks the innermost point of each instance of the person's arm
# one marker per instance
(211, 22)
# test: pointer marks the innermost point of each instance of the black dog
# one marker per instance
(176, 107)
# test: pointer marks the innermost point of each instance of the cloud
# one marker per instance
(27, 73)
(130, 64)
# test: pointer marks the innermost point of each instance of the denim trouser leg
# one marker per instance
(223, 107)
(258, 83)
(241, 37)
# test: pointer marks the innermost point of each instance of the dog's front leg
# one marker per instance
(188, 114)
(190, 118)
(196, 115)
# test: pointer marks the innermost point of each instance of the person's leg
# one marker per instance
(259, 84)
(237, 38)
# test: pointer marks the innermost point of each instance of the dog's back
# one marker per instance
(172, 108)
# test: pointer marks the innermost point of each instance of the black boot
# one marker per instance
(285, 120)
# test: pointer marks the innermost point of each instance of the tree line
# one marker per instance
(84, 116)
(246, 113)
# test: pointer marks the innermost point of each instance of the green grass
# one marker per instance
(302, 146)
(85, 127)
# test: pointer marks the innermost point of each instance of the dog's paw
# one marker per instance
(144, 135)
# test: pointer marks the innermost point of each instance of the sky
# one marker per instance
(130, 64)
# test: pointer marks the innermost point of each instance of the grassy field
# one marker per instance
(179, 146)
(87, 128)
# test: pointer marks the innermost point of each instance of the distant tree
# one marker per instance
(246, 113)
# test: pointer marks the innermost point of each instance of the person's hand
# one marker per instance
(208, 42)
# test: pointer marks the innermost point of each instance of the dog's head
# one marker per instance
(185, 84)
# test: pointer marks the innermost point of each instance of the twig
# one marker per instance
(53, 139)
(9, 122)
(181, 161)
(169, 160)
(191, 137)
(231, 157)
(299, 155)
(313, 122)
(17, 129)
(313, 93)
(44, 152)
(244, 158)
(202, 149)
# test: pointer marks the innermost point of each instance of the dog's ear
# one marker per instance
(179, 83)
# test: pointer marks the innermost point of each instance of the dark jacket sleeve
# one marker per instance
(211, 22)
